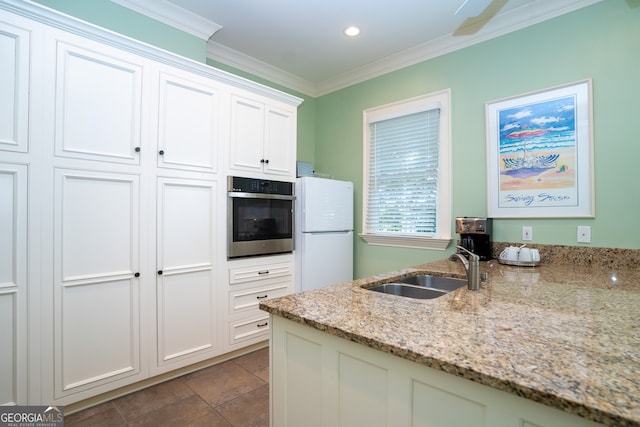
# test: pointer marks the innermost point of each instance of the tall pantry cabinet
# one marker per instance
(16, 239)
(112, 195)
(97, 207)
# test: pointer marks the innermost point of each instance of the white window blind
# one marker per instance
(407, 173)
(403, 175)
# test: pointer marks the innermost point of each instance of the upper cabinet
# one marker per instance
(98, 97)
(188, 121)
(104, 95)
(14, 87)
(263, 137)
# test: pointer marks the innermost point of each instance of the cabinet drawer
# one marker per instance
(259, 272)
(246, 299)
(253, 327)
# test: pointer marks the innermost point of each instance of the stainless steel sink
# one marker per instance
(422, 286)
(410, 291)
(435, 282)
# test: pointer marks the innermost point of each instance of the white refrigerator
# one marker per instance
(324, 232)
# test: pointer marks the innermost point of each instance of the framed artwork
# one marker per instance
(540, 154)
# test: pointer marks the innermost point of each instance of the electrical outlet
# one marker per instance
(527, 233)
(584, 234)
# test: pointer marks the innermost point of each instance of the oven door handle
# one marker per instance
(240, 195)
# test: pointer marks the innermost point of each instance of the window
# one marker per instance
(407, 196)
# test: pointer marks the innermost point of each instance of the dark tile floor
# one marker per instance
(232, 394)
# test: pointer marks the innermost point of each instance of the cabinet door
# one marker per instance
(280, 141)
(188, 122)
(98, 103)
(97, 290)
(13, 283)
(14, 87)
(247, 134)
(186, 297)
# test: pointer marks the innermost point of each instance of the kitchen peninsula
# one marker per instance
(553, 345)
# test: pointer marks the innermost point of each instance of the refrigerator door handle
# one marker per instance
(328, 232)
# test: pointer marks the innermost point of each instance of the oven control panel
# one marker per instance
(263, 186)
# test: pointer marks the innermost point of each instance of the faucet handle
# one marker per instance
(472, 256)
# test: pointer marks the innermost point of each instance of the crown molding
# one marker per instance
(522, 17)
(500, 25)
(246, 63)
(56, 19)
(174, 16)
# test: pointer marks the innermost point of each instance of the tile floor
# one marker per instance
(234, 393)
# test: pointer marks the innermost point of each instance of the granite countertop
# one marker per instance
(567, 336)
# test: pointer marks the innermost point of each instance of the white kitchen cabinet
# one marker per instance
(117, 318)
(251, 281)
(263, 137)
(94, 116)
(188, 121)
(186, 286)
(98, 102)
(13, 283)
(90, 210)
(320, 380)
(96, 280)
(14, 87)
(15, 66)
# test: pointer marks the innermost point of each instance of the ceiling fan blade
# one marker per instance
(470, 8)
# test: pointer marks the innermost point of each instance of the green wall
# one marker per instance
(600, 42)
(114, 17)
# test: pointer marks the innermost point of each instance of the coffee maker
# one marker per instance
(475, 235)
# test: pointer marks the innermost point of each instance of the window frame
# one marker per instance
(442, 237)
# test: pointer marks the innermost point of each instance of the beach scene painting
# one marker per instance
(539, 148)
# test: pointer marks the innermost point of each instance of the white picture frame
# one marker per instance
(540, 154)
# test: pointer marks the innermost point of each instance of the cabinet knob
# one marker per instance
(262, 325)
(161, 152)
(160, 272)
(262, 160)
(261, 297)
(266, 161)
(263, 272)
(137, 274)
(137, 149)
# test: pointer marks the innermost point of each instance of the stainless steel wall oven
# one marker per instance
(260, 217)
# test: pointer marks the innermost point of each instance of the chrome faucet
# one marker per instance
(472, 267)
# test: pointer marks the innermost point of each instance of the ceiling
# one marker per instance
(300, 43)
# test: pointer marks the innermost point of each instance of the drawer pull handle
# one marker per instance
(263, 272)
(262, 325)
(262, 297)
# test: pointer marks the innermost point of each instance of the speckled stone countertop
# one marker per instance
(567, 336)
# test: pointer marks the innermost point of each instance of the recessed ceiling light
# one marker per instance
(352, 31)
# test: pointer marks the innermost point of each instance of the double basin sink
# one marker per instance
(421, 286)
